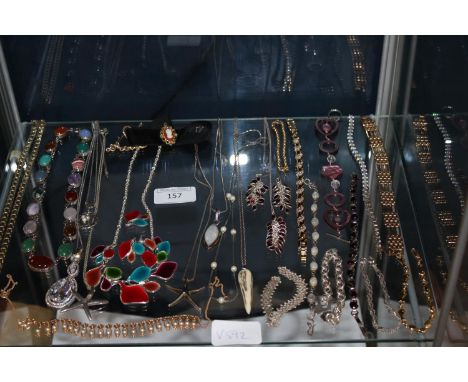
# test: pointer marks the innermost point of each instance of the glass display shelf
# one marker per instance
(179, 223)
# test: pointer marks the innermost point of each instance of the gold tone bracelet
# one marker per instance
(14, 204)
(394, 240)
(301, 228)
(444, 218)
(282, 162)
(359, 67)
(133, 329)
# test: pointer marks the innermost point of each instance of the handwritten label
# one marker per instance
(175, 195)
(235, 333)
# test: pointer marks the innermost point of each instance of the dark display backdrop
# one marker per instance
(139, 77)
(440, 76)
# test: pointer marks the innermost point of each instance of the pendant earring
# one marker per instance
(276, 234)
(255, 192)
(281, 196)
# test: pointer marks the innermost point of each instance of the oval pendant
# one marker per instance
(60, 294)
(212, 235)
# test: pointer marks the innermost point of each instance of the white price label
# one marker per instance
(235, 333)
(175, 195)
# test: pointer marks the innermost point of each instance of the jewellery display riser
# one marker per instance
(178, 224)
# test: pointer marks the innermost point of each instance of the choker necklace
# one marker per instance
(301, 228)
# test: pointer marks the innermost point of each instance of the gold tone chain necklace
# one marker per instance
(301, 228)
(391, 219)
(13, 205)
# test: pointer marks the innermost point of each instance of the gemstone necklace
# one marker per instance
(152, 252)
(37, 262)
(93, 169)
(60, 294)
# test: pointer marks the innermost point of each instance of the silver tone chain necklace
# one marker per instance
(184, 293)
(448, 163)
(212, 234)
(244, 277)
(366, 261)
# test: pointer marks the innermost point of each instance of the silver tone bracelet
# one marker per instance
(332, 316)
(365, 263)
(448, 156)
(313, 281)
(273, 316)
(365, 183)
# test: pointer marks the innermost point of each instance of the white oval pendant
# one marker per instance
(211, 236)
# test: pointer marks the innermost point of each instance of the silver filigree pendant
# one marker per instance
(276, 234)
(281, 196)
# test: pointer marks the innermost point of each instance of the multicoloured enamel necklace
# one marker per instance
(152, 252)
